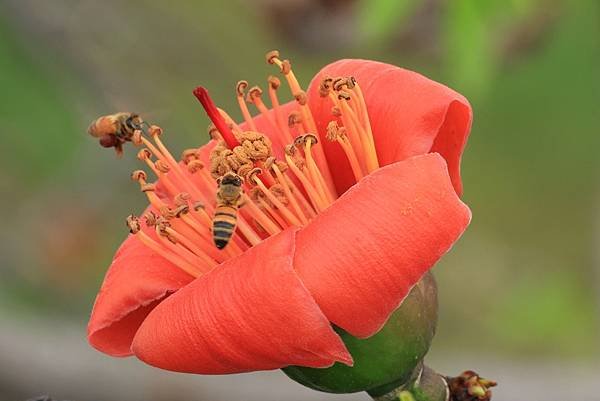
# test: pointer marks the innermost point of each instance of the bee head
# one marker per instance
(231, 179)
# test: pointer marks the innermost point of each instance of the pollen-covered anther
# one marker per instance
(286, 67)
(253, 174)
(295, 118)
(336, 112)
(332, 130)
(155, 130)
(162, 227)
(290, 149)
(139, 176)
(182, 198)
(213, 132)
(151, 218)
(311, 139)
(299, 141)
(343, 95)
(340, 82)
(274, 82)
(197, 206)
(244, 169)
(253, 93)
(269, 163)
(194, 166)
(240, 88)
(301, 98)
(162, 166)
(277, 190)
(256, 145)
(144, 154)
(136, 138)
(188, 155)
(133, 223)
(272, 56)
(181, 210)
(166, 213)
(325, 86)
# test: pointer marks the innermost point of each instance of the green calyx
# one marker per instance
(387, 359)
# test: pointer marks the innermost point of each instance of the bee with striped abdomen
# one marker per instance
(114, 130)
(229, 196)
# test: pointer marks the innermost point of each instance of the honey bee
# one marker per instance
(229, 196)
(114, 130)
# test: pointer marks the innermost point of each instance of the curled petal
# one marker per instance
(410, 115)
(360, 258)
(250, 313)
(137, 280)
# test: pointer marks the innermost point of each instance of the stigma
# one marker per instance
(207, 207)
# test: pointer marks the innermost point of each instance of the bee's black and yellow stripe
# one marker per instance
(224, 224)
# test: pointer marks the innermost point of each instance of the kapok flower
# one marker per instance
(350, 195)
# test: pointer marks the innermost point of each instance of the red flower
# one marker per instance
(302, 258)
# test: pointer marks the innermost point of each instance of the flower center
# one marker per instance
(264, 184)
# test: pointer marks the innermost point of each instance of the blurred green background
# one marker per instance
(521, 286)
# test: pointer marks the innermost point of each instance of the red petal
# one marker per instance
(410, 115)
(250, 313)
(362, 255)
(137, 280)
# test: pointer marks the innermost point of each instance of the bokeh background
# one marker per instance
(520, 292)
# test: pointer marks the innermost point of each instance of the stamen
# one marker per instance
(334, 133)
(315, 197)
(257, 214)
(135, 229)
(288, 193)
(274, 84)
(300, 96)
(239, 90)
(254, 96)
(309, 140)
